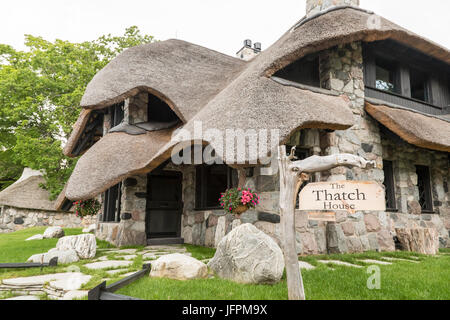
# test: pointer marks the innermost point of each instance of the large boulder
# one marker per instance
(85, 245)
(178, 266)
(53, 232)
(35, 237)
(421, 240)
(64, 257)
(248, 255)
(90, 228)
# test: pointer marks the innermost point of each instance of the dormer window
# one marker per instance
(419, 85)
(159, 111)
(386, 74)
(304, 71)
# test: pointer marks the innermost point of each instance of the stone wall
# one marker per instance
(14, 219)
(405, 157)
(131, 228)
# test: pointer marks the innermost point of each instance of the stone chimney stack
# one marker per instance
(248, 52)
(316, 6)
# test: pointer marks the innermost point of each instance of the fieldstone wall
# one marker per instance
(405, 157)
(131, 228)
(14, 219)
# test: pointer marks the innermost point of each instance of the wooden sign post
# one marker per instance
(292, 175)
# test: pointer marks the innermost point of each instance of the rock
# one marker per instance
(385, 241)
(24, 298)
(37, 258)
(108, 264)
(340, 263)
(336, 239)
(179, 267)
(414, 208)
(36, 280)
(64, 257)
(372, 223)
(73, 281)
(35, 237)
(85, 245)
(248, 255)
(90, 228)
(348, 228)
(75, 294)
(421, 240)
(53, 232)
(305, 265)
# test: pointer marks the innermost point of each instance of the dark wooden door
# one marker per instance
(164, 205)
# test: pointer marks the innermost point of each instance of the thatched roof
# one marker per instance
(224, 92)
(415, 128)
(112, 159)
(27, 194)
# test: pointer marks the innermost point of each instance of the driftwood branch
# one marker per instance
(292, 175)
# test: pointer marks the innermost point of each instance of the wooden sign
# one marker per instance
(350, 196)
(322, 216)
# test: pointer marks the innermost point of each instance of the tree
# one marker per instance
(40, 93)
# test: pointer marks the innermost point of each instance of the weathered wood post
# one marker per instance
(289, 185)
(292, 176)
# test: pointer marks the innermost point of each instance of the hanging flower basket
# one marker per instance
(238, 200)
(87, 208)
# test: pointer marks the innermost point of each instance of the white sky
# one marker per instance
(221, 25)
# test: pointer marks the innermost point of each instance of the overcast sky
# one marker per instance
(221, 25)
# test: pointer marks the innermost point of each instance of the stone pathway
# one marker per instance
(399, 259)
(370, 261)
(55, 285)
(108, 264)
(340, 263)
(305, 265)
(24, 298)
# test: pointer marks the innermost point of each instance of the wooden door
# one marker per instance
(164, 205)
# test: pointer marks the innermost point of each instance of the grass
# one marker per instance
(427, 280)
(13, 248)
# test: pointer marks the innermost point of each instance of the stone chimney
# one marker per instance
(248, 52)
(316, 6)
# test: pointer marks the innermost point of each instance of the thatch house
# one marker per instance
(25, 204)
(341, 80)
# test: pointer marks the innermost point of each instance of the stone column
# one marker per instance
(341, 70)
(133, 204)
(135, 109)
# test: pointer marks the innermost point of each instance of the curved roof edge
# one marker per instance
(413, 127)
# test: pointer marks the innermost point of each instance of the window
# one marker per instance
(389, 185)
(424, 185)
(158, 110)
(386, 75)
(211, 181)
(117, 114)
(305, 71)
(419, 85)
(112, 202)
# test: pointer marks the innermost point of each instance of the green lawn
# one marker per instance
(428, 279)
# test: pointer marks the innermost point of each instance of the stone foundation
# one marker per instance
(14, 219)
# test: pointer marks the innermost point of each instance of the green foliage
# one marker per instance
(40, 93)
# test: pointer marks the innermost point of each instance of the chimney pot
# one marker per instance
(258, 46)
(248, 43)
